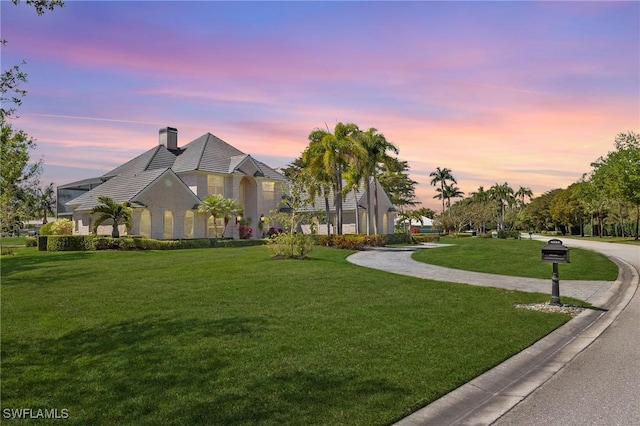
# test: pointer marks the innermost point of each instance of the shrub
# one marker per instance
(353, 241)
(46, 229)
(508, 234)
(197, 243)
(245, 232)
(238, 243)
(398, 238)
(290, 246)
(461, 234)
(6, 252)
(109, 243)
(31, 242)
(274, 231)
(69, 242)
(426, 238)
(62, 227)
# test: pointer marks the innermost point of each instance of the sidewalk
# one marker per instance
(489, 396)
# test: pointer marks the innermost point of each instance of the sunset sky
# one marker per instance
(524, 92)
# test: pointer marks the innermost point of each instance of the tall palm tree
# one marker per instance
(220, 207)
(374, 153)
(116, 212)
(452, 191)
(328, 155)
(504, 195)
(522, 193)
(441, 177)
(481, 197)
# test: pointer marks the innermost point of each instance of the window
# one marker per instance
(268, 191)
(145, 223)
(188, 224)
(215, 185)
(167, 232)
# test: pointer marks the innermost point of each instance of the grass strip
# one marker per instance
(518, 258)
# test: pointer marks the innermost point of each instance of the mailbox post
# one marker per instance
(555, 252)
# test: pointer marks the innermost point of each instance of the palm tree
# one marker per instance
(522, 193)
(117, 213)
(481, 197)
(504, 195)
(220, 207)
(375, 147)
(441, 176)
(451, 191)
(328, 156)
(44, 201)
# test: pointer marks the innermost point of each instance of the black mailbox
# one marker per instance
(555, 252)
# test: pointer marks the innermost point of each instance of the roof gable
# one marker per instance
(121, 188)
(157, 157)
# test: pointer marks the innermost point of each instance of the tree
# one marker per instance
(373, 154)
(328, 155)
(119, 214)
(395, 181)
(220, 207)
(19, 178)
(503, 194)
(44, 202)
(618, 174)
(452, 191)
(481, 208)
(441, 177)
(537, 213)
(522, 193)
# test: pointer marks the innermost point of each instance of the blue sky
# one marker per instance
(525, 92)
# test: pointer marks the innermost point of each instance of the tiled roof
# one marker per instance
(121, 188)
(207, 153)
(349, 200)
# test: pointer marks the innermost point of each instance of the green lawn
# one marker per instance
(230, 337)
(519, 258)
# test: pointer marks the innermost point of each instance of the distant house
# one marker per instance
(166, 184)
(355, 203)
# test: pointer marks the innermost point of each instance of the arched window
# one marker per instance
(167, 232)
(145, 223)
(188, 224)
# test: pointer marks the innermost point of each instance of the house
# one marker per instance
(355, 217)
(166, 184)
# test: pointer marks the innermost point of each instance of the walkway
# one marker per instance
(399, 261)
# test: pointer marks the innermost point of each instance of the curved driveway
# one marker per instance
(561, 379)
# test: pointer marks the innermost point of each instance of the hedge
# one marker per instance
(353, 241)
(426, 238)
(91, 242)
(68, 242)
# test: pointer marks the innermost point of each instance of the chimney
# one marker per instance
(169, 138)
